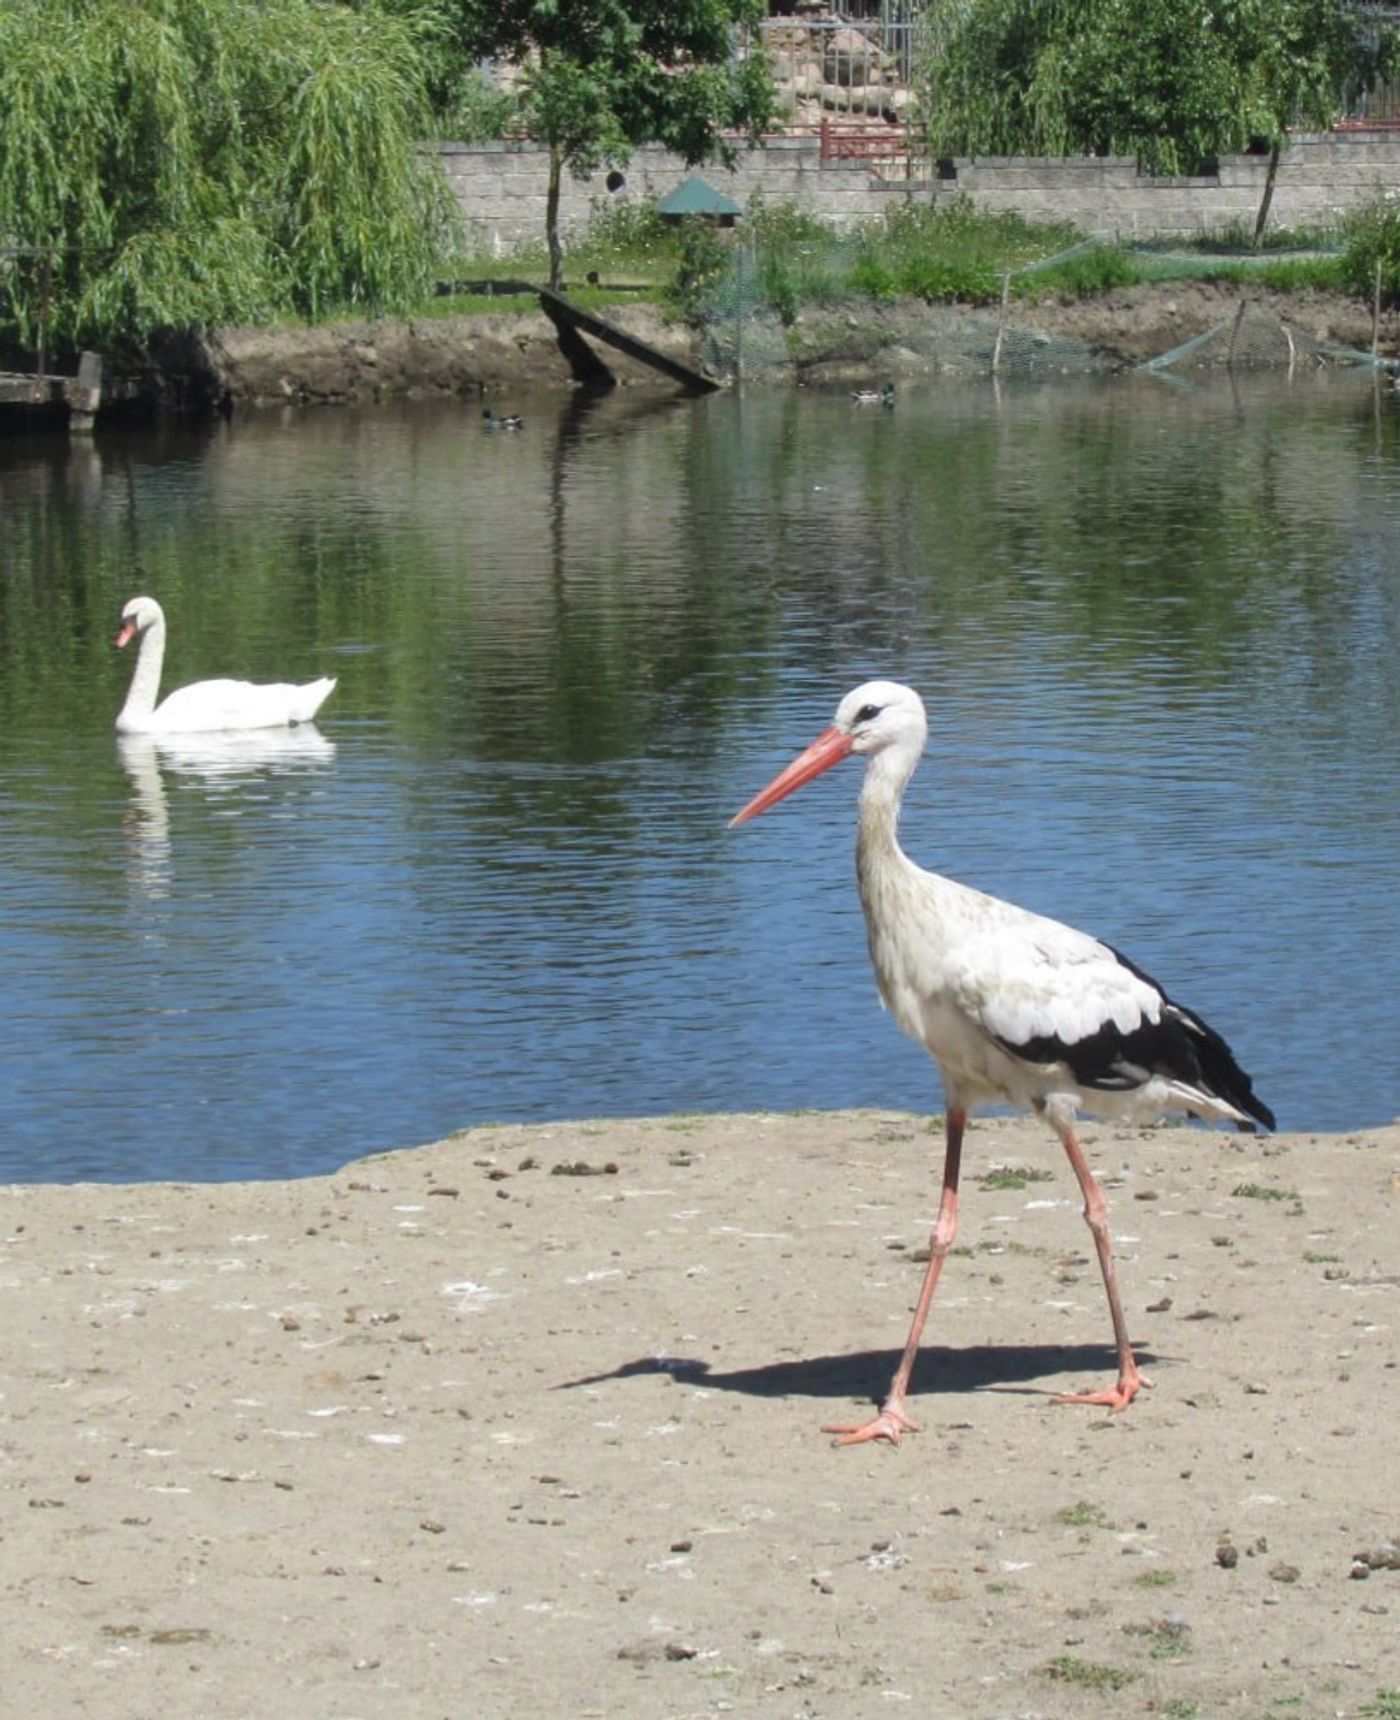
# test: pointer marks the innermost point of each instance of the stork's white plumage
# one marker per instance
(1011, 1006)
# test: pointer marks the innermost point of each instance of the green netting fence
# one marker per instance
(746, 337)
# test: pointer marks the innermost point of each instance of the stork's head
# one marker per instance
(876, 717)
(880, 714)
(137, 616)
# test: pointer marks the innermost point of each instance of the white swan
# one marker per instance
(206, 706)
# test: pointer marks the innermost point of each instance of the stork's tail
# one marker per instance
(1221, 1077)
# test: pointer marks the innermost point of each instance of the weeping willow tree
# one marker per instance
(1167, 81)
(181, 163)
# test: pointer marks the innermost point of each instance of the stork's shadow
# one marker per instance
(939, 1372)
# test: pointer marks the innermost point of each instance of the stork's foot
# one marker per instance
(890, 1424)
(1114, 1397)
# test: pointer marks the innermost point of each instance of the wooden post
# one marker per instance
(1376, 313)
(85, 395)
(45, 287)
(1001, 324)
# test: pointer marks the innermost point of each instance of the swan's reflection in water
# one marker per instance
(221, 762)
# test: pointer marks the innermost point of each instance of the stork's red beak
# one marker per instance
(126, 633)
(828, 749)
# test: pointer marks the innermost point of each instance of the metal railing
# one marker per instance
(852, 69)
(859, 68)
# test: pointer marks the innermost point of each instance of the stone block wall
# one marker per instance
(500, 187)
(1321, 176)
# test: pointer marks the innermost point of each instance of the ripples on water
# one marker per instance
(1157, 634)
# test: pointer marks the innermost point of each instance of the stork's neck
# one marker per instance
(887, 773)
(145, 679)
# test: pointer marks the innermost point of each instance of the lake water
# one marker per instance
(1158, 632)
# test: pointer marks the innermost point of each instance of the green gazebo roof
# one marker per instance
(694, 196)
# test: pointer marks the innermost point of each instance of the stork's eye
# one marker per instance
(867, 713)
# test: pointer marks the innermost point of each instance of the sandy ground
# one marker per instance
(527, 1422)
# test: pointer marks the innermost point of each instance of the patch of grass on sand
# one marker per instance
(1385, 1707)
(1014, 1176)
(1169, 1638)
(1155, 1580)
(1259, 1191)
(1088, 1674)
(1083, 1515)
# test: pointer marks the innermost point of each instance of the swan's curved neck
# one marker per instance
(145, 679)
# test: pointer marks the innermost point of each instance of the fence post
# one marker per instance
(1376, 313)
(1001, 321)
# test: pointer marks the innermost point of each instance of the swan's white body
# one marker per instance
(205, 707)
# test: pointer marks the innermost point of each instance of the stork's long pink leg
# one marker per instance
(1130, 1381)
(892, 1421)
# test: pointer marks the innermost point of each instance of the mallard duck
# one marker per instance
(502, 421)
(874, 396)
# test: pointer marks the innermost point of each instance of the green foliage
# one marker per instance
(1261, 1191)
(187, 162)
(603, 76)
(1089, 271)
(1088, 1674)
(1083, 1515)
(1013, 1177)
(1169, 1639)
(705, 260)
(1371, 239)
(1170, 82)
(628, 234)
(474, 110)
(954, 252)
(353, 193)
(1236, 239)
(1322, 274)
(797, 259)
(874, 276)
(783, 224)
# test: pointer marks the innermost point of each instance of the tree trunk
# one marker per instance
(1261, 220)
(551, 218)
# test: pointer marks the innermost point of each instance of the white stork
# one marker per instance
(1010, 1006)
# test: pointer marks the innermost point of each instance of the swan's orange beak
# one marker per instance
(829, 748)
(126, 633)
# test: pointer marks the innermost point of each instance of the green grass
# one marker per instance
(1259, 1191)
(1385, 1707)
(782, 261)
(1083, 1515)
(1169, 1639)
(1155, 1580)
(1014, 1177)
(1088, 1674)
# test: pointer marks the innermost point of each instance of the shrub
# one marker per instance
(1371, 239)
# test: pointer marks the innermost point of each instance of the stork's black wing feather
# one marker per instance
(1178, 1045)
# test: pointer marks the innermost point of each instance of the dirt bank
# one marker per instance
(347, 362)
(527, 1422)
